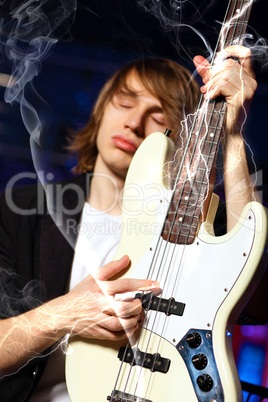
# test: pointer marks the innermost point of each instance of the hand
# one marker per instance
(92, 311)
(235, 81)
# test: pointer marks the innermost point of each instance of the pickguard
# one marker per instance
(201, 275)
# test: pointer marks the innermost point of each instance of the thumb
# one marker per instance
(112, 268)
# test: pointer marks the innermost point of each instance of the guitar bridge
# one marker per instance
(167, 306)
(118, 396)
(146, 360)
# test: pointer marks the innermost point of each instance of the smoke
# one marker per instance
(26, 38)
(182, 17)
(15, 299)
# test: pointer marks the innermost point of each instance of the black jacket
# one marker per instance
(31, 247)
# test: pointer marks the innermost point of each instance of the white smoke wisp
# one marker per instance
(26, 38)
(180, 16)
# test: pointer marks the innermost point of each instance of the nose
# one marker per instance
(135, 122)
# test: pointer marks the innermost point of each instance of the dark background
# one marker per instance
(93, 43)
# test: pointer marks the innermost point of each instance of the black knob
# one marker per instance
(167, 132)
(193, 339)
(200, 361)
(205, 382)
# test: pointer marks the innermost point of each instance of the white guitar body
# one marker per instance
(209, 276)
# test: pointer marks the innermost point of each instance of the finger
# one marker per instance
(98, 332)
(128, 285)
(202, 66)
(115, 324)
(112, 268)
(123, 309)
(240, 52)
(222, 85)
(230, 84)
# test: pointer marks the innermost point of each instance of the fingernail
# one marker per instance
(154, 285)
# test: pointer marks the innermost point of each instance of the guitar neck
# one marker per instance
(192, 185)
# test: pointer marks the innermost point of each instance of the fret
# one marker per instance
(207, 127)
(203, 141)
(181, 237)
(176, 228)
(189, 210)
(201, 148)
(193, 187)
(187, 194)
(196, 158)
(199, 157)
(186, 209)
(200, 187)
(186, 220)
(186, 198)
(187, 234)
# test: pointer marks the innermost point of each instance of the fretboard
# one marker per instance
(191, 190)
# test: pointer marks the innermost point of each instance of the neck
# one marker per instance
(106, 190)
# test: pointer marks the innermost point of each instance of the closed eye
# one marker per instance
(124, 105)
(158, 118)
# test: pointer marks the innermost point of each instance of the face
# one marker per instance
(128, 119)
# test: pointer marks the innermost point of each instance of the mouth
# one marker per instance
(124, 144)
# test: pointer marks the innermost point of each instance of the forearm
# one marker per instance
(239, 191)
(25, 336)
(237, 183)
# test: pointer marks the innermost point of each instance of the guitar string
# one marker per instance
(203, 174)
(211, 145)
(149, 275)
(167, 245)
(216, 127)
(222, 108)
(153, 263)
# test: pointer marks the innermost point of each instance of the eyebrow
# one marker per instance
(135, 95)
(126, 92)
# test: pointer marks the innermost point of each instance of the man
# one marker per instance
(143, 97)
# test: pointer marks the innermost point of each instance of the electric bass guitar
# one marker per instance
(183, 349)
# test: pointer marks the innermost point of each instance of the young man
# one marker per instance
(70, 291)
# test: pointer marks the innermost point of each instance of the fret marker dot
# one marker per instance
(238, 10)
(186, 197)
(180, 219)
(211, 134)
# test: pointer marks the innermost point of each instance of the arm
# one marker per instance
(236, 82)
(88, 310)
